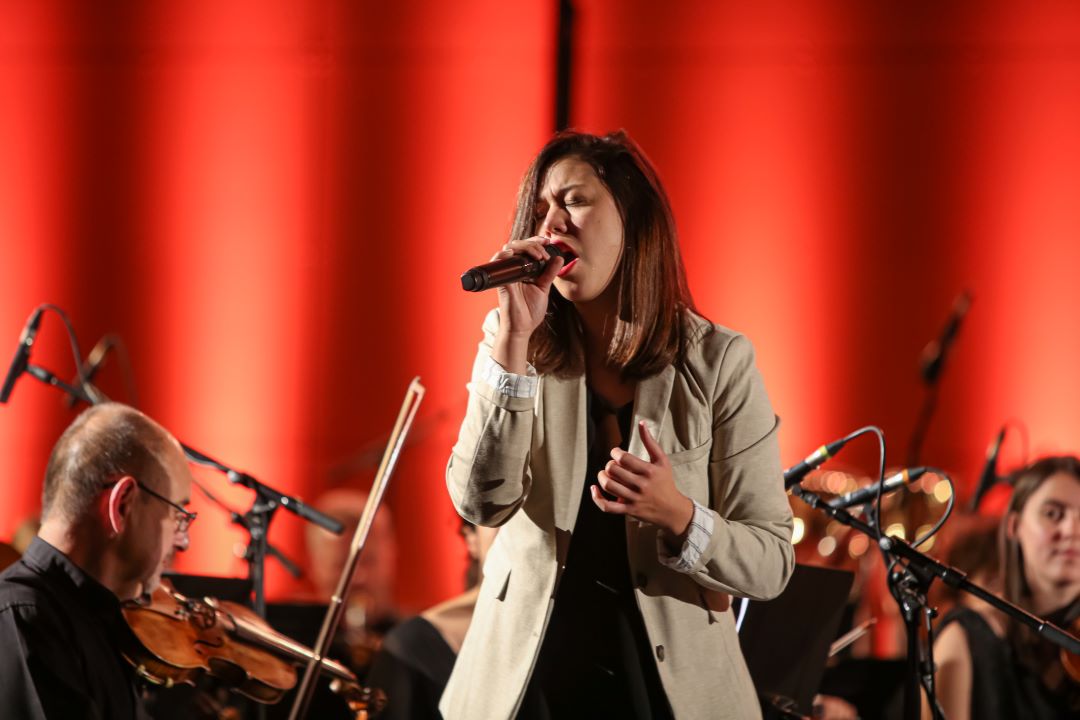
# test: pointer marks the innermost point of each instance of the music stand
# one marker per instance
(786, 640)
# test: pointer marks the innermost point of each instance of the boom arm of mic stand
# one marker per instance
(50, 378)
(290, 503)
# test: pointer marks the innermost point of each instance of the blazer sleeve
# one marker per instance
(749, 553)
(488, 472)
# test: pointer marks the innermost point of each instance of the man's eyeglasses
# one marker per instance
(184, 518)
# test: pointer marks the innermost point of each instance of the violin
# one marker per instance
(1071, 661)
(175, 639)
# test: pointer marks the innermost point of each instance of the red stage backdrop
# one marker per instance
(271, 202)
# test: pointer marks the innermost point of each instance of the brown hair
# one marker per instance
(1038, 655)
(653, 298)
(104, 442)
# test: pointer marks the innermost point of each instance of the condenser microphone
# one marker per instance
(935, 352)
(22, 353)
(511, 269)
(794, 474)
(989, 475)
(888, 485)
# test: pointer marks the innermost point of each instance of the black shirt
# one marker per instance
(1001, 687)
(596, 659)
(412, 668)
(58, 642)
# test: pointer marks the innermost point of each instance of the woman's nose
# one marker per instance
(554, 220)
(1070, 523)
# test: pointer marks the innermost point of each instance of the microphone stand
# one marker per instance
(909, 584)
(256, 520)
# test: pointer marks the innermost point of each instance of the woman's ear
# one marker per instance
(118, 506)
(1011, 522)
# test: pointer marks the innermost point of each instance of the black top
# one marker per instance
(58, 634)
(596, 660)
(1001, 687)
(412, 668)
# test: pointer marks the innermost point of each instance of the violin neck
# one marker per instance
(286, 647)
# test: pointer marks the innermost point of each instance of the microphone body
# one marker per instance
(22, 354)
(989, 474)
(794, 474)
(934, 353)
(888, 485)
(510, 270)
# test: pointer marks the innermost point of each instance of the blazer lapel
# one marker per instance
(564, 430)
(651, 405)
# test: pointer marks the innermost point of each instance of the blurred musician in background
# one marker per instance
(417, 656)
(990, 668)
(113, 516)
(369, 608)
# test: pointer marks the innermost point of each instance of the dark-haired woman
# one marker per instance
(628, 450)
(991, 668)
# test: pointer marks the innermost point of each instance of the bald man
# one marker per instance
(112, 517)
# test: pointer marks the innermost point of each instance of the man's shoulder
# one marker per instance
(24, 591)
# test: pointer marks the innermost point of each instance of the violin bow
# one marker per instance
(409, 406)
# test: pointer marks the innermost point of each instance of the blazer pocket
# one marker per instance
(688, 456)
(691, 473)
(714, 602)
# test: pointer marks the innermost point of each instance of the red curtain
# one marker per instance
(271, 202)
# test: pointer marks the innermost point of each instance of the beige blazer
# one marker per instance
(520, 463)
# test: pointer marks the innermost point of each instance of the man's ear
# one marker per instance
(118, 504)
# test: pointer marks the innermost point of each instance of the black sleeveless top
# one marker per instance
(595, 659)
(1002, 688)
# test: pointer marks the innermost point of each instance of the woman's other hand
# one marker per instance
(644, 490)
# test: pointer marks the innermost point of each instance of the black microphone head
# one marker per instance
(469, 281)
(559, 251)
(15, 371)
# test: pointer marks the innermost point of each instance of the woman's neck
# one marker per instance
(1047, 599)
(597, 325)
(598, 318)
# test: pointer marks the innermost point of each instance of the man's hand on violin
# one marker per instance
(644, 490)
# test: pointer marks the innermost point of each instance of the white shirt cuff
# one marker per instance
(697, 539)
(508, 383)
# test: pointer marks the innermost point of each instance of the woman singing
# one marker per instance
(628, 450)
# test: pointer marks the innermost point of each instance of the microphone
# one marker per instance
(90, 369)
(888, 485)
(22, 353)
(794, 474)
(933, 355)
(510, 270)
(989, 475)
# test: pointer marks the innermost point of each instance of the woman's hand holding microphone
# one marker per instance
(522, 305)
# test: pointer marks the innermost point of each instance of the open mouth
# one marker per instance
(569, 257)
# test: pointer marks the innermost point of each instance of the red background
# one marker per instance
(271, 202)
